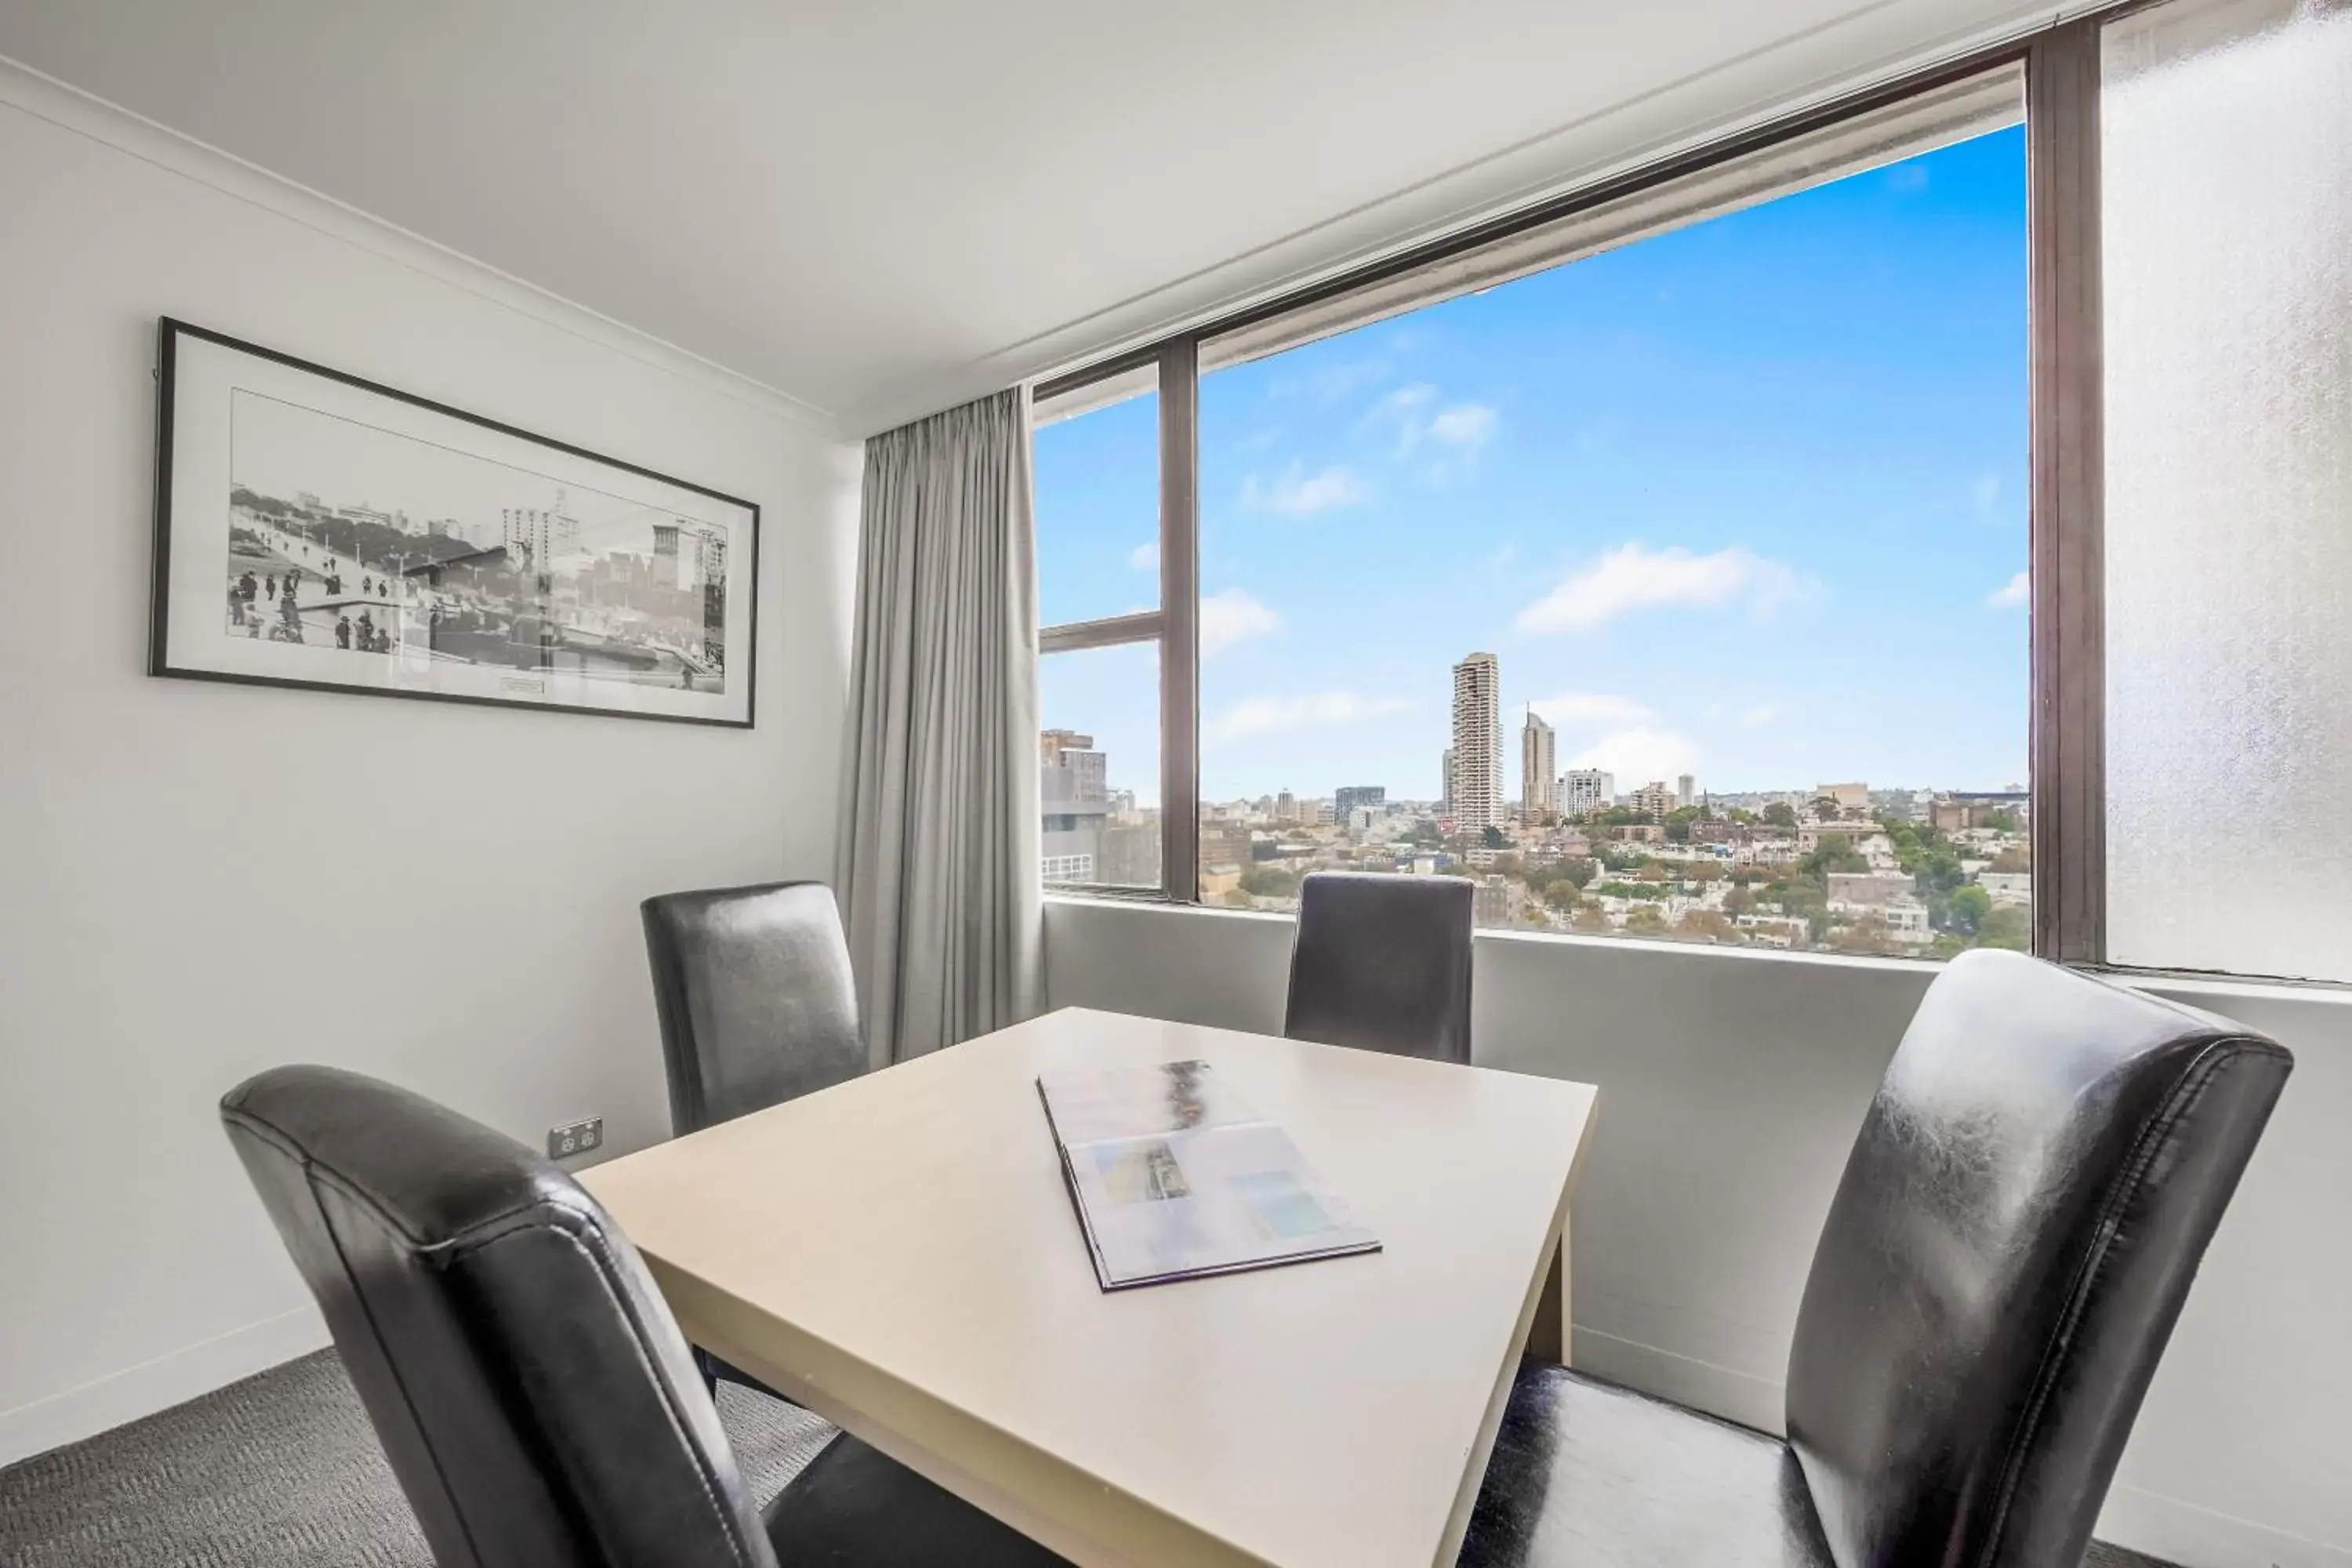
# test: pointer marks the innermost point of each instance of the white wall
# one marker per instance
(1731, 1085)
(174, 913)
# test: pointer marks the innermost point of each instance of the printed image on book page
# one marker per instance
(1174, 1175)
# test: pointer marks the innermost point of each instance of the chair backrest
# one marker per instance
(756, 997)
(2013, 1238)
(529, 1388)
(1383, 963)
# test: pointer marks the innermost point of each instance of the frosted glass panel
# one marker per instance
(2227, 153)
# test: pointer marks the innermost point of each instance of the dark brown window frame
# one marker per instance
(2060, 66)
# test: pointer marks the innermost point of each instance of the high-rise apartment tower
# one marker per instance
(1479, 741)
(1538, 783)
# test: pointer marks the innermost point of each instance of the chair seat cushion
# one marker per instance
(1600, 1476)
(855, 1507)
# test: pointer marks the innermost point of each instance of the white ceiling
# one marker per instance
(881, 207)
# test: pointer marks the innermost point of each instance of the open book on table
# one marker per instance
(1175, 1177)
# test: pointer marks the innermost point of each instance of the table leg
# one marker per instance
(1548, 1335)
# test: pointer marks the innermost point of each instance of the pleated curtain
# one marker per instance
(938, 862)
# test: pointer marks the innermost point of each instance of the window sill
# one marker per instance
(1175, 910)
(2188, 986)
(2195, 985)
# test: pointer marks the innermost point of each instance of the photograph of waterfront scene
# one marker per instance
(358, 539)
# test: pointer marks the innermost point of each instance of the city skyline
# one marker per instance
(1836, 590)
(286, 450)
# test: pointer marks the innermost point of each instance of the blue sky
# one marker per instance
(1745, 500)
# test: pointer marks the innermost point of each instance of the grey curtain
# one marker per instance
(938, 866)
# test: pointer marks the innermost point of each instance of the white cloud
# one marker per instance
(1299, 494)
(1466, 425)
(1592, 711)
(1640, 753)
(1411, 412)
(2012, 594)
(1755, 718)
(1633, 578)
(1269, 715)
(1403, 403)
(1145, 557)
(1232, 617)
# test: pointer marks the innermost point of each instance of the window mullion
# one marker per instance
(2069, 742)
(1179, 599)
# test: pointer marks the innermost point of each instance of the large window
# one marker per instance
(1098, 586)
(1729, 554)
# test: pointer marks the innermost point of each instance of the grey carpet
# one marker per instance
(283, 1468)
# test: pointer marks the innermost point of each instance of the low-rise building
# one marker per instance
(1774, 930)
(1497, 900)
(1652, 800)
(1849, 798)
(1907, 921)
(1861, 893)
(2007, 886)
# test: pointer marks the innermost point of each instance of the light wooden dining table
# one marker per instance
(900, 1254)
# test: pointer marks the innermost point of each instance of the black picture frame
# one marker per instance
(169, 527)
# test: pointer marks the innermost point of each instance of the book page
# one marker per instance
(1177, 1177)
(1127, 1102)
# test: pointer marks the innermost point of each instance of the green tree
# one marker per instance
(1780, 814)
(1647, 919)
(1618, 858)
(1564, 896)
(1270, 883)
(1834, 853)
(1966, 910)
(1739, 902)
(1589, 919)
(1580, 872)
(2006, 926)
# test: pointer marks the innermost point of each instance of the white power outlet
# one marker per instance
(575, 1138)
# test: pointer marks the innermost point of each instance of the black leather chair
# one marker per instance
(2002, 1264)
(529, 1388)
(758, 1005)
(1383, 963)
(756, 999)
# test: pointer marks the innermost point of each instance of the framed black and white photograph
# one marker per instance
(319, 530)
